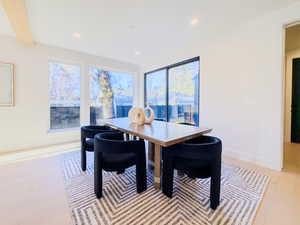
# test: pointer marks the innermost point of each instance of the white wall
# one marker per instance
(242, 87)
(26, 125)
(242, 91)
(290, 55)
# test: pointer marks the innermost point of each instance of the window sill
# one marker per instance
(53, 131)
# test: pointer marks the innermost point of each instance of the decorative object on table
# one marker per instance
(137, 115)
(150, 118)
(7, 84)
(140, 115)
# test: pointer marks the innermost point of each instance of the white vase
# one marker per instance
(150, 118)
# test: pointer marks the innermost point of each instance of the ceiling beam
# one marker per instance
(17, 15)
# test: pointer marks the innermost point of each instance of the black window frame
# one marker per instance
(167, 68)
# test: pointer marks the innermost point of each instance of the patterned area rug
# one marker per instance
(241, 194)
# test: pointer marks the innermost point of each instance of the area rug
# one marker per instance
(241, 193)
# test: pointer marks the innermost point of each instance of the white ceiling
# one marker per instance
(118, 28)
(5, 27)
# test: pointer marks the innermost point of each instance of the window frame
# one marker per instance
(71, 63)
(134, 76)
(167, 68)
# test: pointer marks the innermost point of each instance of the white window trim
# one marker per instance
(85, 87)
(66, 62)
(135, 75)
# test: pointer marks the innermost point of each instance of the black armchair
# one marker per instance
(87, 140)
(158, 119)
(112, 153)
(185, 123)
(180, 173)
(198, 158)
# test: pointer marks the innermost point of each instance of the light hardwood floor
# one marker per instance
(281, 203)
(32, 191)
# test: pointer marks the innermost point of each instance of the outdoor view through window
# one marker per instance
(111, 94)
(173, 92)
(156, 86)
(64, 94)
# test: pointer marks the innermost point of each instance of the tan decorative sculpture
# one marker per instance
(138, 115)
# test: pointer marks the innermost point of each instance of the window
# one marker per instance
(183, 93)
(173, 92)
(156, 93)
(64, 88)
(111, 95)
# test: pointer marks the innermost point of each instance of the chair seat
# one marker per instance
(113, 162)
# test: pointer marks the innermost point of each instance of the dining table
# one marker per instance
(159, 134)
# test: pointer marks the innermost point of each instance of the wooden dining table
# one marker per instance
(159, 134)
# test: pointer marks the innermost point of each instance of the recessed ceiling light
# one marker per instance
(194, 21)
(76, 35)
(137, 53)
(132, 27)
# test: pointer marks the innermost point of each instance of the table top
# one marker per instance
(158, 132)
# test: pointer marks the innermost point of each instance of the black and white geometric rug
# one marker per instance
(241, 193)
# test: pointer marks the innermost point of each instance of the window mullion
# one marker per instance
(167, 94)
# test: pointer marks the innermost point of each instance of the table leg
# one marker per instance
(157, 162)
(150, 155)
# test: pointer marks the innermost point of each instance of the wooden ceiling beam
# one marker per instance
(17, 15)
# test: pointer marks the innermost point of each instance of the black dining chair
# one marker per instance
(87, 140)
(113, 153)
(185, 123)
(198, 158)
(158, 119)
(180, 173)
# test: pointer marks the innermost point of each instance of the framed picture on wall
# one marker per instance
(7, 76)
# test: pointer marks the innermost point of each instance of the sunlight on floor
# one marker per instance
(36, 153)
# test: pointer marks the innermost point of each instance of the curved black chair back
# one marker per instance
(184, 123)
(198, 158)
(113, 142)
(92, 130)
(113, 153)
(159, 119)
(200, 148)
(87, 140)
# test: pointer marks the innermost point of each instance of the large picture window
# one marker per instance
(173, 92)
(156, 83)
(111, 95)
(64, 95)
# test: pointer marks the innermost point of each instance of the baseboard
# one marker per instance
(243, 156)
(38, 152)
